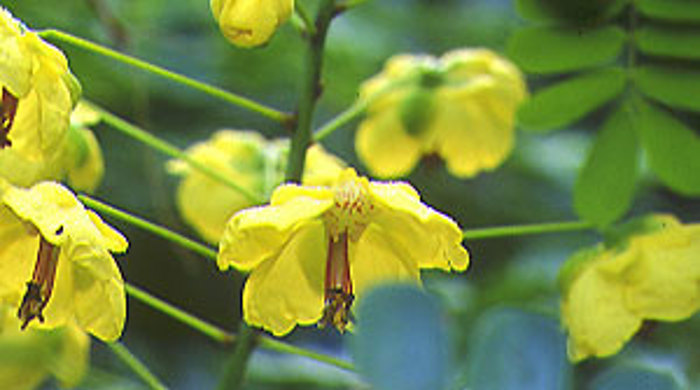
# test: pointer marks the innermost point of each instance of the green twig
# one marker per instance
(188, 319)
(223, 336)
(142, 223)
(236, 367)
(521, 230)
(340, 120)
(311, 90)
(136, 366)
(170, 75)
(276, 345)
(305, 18)
(172, 151)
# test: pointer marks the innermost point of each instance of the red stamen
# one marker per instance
(7, 116)
(338, 285)
(39, 289)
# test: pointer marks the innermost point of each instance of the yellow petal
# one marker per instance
(663, 285)
(433, 238)
(89, 290)
(287, 289)
(596, 316)
(384, 147)
(255, 234)
(468, 136)
(87, 171)
(321, 168)
(112, 239)
(16, 64)
(375, 258)
(18, 252)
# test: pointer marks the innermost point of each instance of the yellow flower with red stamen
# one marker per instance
(653, 274)
(249, 23)
(55, 262)
(460, 107)
(313, 250)
(38, 92)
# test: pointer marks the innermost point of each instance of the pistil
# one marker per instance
(40, 287)
(7, 117)
(338, 285)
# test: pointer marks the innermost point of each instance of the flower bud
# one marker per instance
(249, 23)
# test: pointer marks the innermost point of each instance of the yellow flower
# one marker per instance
(249, 160)
(460, 107)
(38, 92)
(55, 261)
(249, 23)
(77, 159)
(609, 291)
(314, 249)
(29, 357)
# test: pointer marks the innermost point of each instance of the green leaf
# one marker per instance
(514, 350)
(672, 86)
(671, 10)
(605, 186)
(563, 49)
(578, 12)
(669, 41)
(637, 378)
(568, 101)
(400, 341)
(673, 150)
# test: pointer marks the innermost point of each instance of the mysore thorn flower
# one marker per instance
(38, 92)
(62, 353)
(55, 261)
(313, 250)
(460, 107)
(249, 160)
(77, 158)
(652, 273)
(249, 23)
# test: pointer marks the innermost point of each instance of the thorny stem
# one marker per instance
(172, 151)
(211, 90)
(136, 366)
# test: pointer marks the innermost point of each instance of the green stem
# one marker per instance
(171, 150)
(340, 120)
(304, 16)
(203, 327)
(311, 91)
(158, 230)
(136, 366)
(276, 345)
(236, 367)
(157, 70)
(521, 230)
(221, 335)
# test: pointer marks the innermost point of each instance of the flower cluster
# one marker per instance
(313, 250)
(460, 107)
(250, 160)
(652, 273)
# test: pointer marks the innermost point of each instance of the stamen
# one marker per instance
(338, 285)
(7, 117)
(40, 287)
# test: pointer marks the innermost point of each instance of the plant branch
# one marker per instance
(216, 92)
(149, 226)
(522, 230)
(136, 366)
(171, 150)
(311, 90)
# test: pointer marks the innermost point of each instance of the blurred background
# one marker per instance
(534, 185)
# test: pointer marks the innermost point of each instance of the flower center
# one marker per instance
(8, 109)
(40, 287)
(352, 207)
